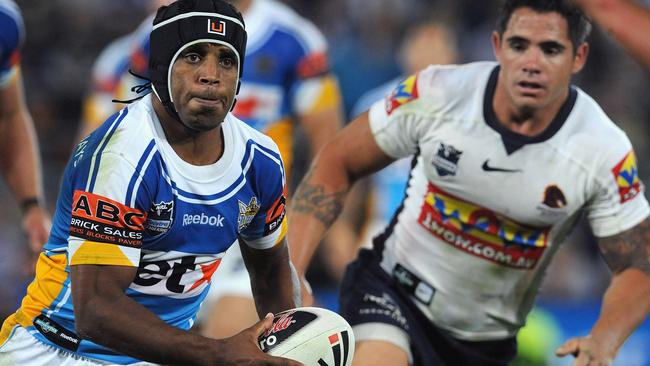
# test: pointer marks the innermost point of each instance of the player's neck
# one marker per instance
(523, 120)
(196, 148)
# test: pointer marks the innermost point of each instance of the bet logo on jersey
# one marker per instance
(446, 160)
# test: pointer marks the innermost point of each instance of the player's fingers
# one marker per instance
(263, 325)
(583, 359)
(279, 361)
(569, 347)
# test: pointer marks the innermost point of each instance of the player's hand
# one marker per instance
(242, 348)
(36, 225)
(587, 351)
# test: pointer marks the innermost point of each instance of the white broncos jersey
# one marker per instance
(487, 208)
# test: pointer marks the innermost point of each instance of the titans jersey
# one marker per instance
(12, 34)
(127, 199)
(487, 208)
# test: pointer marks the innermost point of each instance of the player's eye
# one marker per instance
(192, 57)
(517, 45)
(552, 50)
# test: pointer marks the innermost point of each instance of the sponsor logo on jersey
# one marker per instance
(275, 214)
(56, 333)
(179, 277)
(203, 219)
(446, 160)
(159, 218)
(405, 92)
(216, 26)
(482, 232)
(246, 213)
(553, 203)
(100, 219)
(627, 177)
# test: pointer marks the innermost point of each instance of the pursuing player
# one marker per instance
(627, 20)
(286, 83)
(149, 203)
(19, 157)
(509, 155)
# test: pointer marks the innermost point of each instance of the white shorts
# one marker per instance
(22, 349)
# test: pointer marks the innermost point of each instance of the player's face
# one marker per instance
(204, 81)
(537, 59)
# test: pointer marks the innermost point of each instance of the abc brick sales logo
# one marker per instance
(626, 175)
(405, 92)
(216, 26)
(100, 219)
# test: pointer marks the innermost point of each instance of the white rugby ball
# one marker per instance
(313, 336)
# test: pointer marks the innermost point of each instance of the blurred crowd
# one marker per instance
(365, 36)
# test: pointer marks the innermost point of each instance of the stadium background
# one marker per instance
(64, 37)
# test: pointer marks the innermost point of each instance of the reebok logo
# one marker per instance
(489, 168)
(203, 219)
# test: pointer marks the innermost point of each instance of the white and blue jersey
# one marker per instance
(12, 34)
(127, 199)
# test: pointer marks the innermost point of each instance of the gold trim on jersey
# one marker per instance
(46, 287)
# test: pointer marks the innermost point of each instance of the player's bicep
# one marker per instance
(355, 149)
(94, 287)
(628, 249)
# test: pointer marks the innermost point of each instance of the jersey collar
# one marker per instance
(514, 141)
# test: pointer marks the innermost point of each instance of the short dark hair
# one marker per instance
(579, 24)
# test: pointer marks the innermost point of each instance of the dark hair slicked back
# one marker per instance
(578, 23)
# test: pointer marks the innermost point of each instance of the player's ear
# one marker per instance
(580, 57)
(496, 45)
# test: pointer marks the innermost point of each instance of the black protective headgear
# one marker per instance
(187, 22)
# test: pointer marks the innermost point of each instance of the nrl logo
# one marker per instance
(446, 160)
(246, 213)
(160, 218)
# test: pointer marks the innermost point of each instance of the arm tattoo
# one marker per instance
(312, 199)
(629, 249)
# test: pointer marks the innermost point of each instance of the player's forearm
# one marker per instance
(275, 284)
(626, 20)
(625, 305)
(129, 328)
(317, 203)
(20, 161)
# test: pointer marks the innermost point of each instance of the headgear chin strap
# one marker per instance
(187, 22)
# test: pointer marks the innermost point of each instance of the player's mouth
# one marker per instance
(209, 100)
(530, 87)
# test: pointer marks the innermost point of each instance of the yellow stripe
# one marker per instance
(281, 133)
(283, 231)
(330, 96)
(48, 284)
(91, 252)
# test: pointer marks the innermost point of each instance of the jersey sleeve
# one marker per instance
(397, 121)
(12, 35)
(109, 205)
(619, 203)
(313, 86)
(268, 227)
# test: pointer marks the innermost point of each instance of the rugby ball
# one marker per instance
(313, 336)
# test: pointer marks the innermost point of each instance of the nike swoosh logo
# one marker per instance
(489, 168)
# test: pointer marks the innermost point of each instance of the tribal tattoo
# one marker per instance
(312, 199)
(629, 249)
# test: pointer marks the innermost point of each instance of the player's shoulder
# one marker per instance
(595, 121)
(245, 135)
(11, 22)
(271, 19)
(128, 133)
(456, 77)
